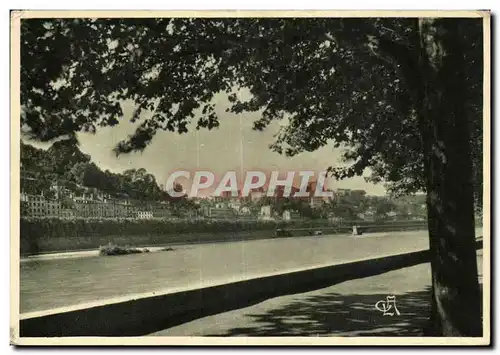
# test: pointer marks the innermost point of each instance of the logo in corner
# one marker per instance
(388, 306)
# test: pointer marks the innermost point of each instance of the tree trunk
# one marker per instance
(456, 308)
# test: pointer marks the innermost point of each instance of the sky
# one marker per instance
(220, 150)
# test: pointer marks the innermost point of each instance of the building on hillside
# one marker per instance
(290, 215)
(245, 210)
(85, 208)
(103, 197)
(365, 217)
(230, 194)
(265, 213)
(368, 215)
(39, 206)
(61, 191)
(67, 213)
(24, 197)
(161, 212)
(83, 198)
(343, 192)
(96, 209)
(220, 213)
(279, 192)
(221, 205)
(234, 204)
(317, 201)
(144, 215)
(332, 218)
(392, 215)
(52, 208)
(257, 194)
(122, 209)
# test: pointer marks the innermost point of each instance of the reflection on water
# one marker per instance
(48, 284)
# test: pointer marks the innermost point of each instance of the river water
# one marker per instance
(47, 284)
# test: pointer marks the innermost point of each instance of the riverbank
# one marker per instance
(40, 237)
(81, 254)
(95, 252)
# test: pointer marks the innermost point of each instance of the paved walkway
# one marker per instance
(346, 309)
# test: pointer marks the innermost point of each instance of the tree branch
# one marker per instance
(403, 58)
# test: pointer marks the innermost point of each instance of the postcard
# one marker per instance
(250, 178)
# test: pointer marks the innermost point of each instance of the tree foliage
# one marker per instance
(325, 76)
(63, 164)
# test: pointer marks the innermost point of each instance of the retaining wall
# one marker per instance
(143, 315)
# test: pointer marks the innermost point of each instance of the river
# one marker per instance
(47, 284)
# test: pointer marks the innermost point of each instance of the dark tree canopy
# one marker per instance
(64, 163)
(329, 77)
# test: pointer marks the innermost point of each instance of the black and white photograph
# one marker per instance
(250, 178)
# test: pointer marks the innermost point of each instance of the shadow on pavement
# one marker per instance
(342, 315)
